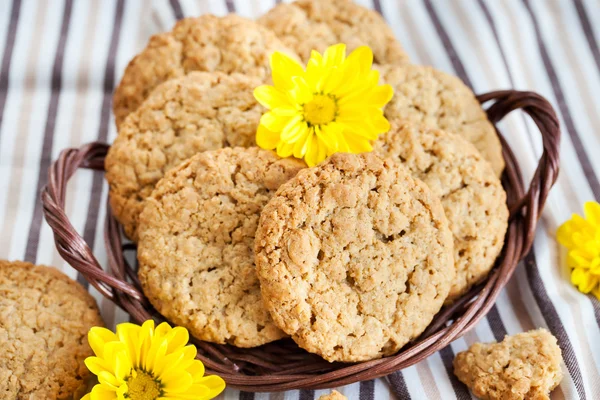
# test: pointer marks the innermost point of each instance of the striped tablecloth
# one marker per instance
(60, 61)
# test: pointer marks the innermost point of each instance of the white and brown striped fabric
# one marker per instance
(60, 60)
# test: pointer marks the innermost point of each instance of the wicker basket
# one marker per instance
(282, 365)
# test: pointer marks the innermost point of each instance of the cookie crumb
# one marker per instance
(522, 366)
(334, 395)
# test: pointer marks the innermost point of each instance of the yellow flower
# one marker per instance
(335, 105)
(144, 363)
(582, 237)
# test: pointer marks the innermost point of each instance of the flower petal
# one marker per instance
(128, 334)
(564, 234)
(584, 281)
(283, 69)
(157, 351)
(331, 135)
(98, 337)
(162, 330)
(596, 292)
(315, 151)
(379, 96)
(315, 58)
(270, 97)
(334, 56)
(302, 92)
(176, 381)
(196, 370)
(360, 59)
(301, 142)
(209, 388)
(109, 380)
(100, 392)
(273, 122)
(266, 139)
(284, 149)
(287, 111)
(293, 129)
(592, 213)
(177, 338)
(215, 384)
(97, 365)
(595, 266)
(123, 365)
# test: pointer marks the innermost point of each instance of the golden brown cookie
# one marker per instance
(196, 240)
(197, 112)
(44, 321)
(426, 95)
(334, 395)
(307, 25)
(523, 366)
(473, 198)
(206, 43)
(354, 257)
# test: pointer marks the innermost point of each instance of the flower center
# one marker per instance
(142, 386)
(322, 109)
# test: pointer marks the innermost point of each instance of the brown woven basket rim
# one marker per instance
(282, 365)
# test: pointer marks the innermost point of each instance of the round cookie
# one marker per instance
(44, 321)
(426, 95)
(206, 43)
(471, 194)
(307, 25)
(196, 243)
(197, 112)
(354, 257)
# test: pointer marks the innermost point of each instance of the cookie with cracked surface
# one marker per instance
(425, 95)
(473, 198)
(197, 112)
(196, 241)
(334, 395)
(307, 25)
(207, 43)
(44, 321)
(522, 366)
(354, 257)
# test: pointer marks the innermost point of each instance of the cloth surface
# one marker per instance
(60, 61)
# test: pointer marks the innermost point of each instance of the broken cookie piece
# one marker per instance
(522, 366)
(334, 395)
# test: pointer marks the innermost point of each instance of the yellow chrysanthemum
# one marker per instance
(144, 363)
(335, 105)
(581, 235)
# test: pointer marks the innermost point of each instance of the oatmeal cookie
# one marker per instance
(473, 198)
(197, 112)
(425, 95)
(206, 43)
(354, 257)
(44, 321)
(307, 25)
(196, 240)
(523, 366)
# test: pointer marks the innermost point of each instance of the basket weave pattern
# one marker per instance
(282, 365)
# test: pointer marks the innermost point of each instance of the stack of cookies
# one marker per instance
(352, 258)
